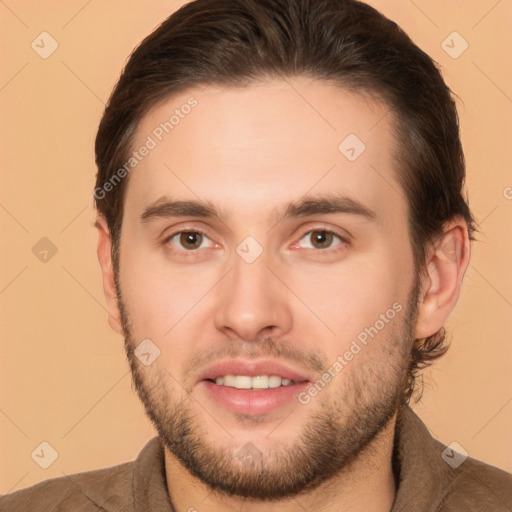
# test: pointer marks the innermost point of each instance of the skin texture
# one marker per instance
(249, 152)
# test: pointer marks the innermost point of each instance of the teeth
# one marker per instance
(246, 382)
(243, 382)
(260, 382)
(229, 380)
(274, 381)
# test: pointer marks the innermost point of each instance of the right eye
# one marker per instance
(189, 241)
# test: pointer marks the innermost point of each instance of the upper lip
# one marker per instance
(253, 368)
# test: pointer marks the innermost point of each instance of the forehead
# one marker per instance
(252, 148)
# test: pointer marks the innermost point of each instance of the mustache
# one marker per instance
(266, 347)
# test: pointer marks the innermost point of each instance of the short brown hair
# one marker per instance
(235, 42)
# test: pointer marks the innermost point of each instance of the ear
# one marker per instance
(447, 261)
(107, 272)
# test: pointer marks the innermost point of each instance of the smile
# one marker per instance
(257, 382)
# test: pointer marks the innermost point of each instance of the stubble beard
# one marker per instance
(336, 433)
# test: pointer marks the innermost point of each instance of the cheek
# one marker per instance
(156, 293)
(349, 297)
(167, 305)
(155, 314)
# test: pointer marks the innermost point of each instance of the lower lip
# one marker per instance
(253, 402)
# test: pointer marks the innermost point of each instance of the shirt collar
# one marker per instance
(422, 473)
(149, 480)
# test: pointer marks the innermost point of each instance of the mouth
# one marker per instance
(252, 387)
(252, 383)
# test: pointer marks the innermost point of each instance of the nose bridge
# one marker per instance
(250, 278)
(251, 302)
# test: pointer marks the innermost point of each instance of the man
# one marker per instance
(282, 236)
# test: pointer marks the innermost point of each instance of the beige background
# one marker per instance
(64, 379)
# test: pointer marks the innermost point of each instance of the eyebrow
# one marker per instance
(163, 208)
(309, 205)
(328, 204)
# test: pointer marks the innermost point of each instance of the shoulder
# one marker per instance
(478, 486)
(101, 489)
(434, 477)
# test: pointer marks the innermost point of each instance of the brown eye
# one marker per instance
(189, 243)
(321, 239)
(191, 240)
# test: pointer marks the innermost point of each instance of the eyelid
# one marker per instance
(168, 237)
(344, 238)
(182, 227)
(341, 234)
(328, 230)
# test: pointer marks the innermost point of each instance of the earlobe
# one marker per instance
(448, 260)
(104, 252)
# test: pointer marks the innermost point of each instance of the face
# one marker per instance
(271, 268)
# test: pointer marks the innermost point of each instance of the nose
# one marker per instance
(252, 302)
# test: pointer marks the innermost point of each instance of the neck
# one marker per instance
(367, 483)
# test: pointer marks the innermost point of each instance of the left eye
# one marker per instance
(320, 239)
(190, 240)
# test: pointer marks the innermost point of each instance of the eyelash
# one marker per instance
(193, 253)
(184, 252)
(343, 241)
